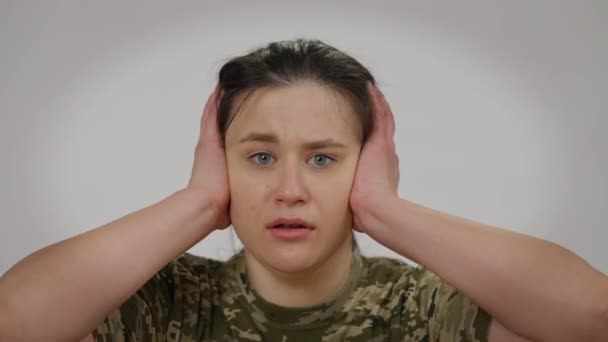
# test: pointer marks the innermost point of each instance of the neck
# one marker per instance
(304, 289)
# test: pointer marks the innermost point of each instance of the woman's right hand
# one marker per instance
(209, 172)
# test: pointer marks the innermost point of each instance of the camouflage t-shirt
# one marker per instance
(199, 299)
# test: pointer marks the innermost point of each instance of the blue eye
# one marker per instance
(265, 159)
(321, 160)
(262, 158)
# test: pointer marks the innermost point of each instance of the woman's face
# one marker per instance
(291, 153)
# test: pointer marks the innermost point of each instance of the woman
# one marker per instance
(296, 150)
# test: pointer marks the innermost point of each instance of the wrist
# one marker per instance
(370, 211)
(201, 207)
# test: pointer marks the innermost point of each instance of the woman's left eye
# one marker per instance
(321, 160)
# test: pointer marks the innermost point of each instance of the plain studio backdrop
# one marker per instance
(500, 108)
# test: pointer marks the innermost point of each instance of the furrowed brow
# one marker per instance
(315, 145)
(261, 137)
(271, 138)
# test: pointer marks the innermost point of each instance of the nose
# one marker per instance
(291, 189)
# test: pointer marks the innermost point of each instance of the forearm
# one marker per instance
(535, 288)
(63, 291)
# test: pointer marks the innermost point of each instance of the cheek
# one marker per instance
(334, 192)
(237, 177)
(246, 193)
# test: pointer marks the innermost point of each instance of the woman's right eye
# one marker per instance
(261, 158)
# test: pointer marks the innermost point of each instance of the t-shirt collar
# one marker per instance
(265, 313)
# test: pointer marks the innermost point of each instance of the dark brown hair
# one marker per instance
(292, 62)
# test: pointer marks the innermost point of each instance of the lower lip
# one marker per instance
(290, 233)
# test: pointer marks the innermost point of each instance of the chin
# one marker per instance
(291, 259)
(293, 256)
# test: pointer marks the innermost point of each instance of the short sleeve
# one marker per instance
(144, 316)
(450, 315)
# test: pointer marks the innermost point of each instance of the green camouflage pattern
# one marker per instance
(200, 299)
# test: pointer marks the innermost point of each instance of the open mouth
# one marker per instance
(290, 226)
(290, 223)
(290, 231)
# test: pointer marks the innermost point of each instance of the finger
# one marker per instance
(209, 118)
(389, 119)
(208, 112)
(385, 120)
(377, 127)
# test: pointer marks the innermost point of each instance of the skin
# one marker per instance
(502, 284)
(275, 172)
(528, 293)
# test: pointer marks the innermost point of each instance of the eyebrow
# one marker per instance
(273, 139)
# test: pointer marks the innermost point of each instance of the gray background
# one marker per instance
(500, 108)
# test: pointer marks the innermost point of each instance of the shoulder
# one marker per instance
(173, 302)
(416, 283)
(385, 270)
(424, 302)
(411, 287)
(193, 275)
(418, 288)
(193, 265)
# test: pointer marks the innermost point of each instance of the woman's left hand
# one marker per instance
(377, 174)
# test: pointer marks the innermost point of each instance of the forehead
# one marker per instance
(298, 110)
